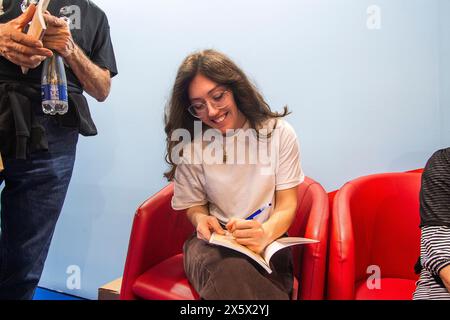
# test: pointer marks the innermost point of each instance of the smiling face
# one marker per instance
(223, 117)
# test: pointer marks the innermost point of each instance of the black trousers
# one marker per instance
(219, 273)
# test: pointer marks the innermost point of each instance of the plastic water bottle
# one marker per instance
(54, 86)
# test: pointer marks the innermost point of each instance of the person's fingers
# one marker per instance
(200, 236)
(244, 233)
(203, 232)
(55, 32)
(245, 241)
(26, 40)
(26, 61)
(52, 45)
(216, 226)
(231, 225)
(250, 244)
(245, 224)
(35, 61)
(27, 16)
(29, 51)
(54, 21)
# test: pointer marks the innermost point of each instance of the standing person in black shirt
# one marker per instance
(39, 150)
(434, 261)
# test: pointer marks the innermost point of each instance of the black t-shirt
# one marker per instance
(90, 31)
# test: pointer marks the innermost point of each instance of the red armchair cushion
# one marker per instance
(375, 222)
(391, 289)
(165, 281)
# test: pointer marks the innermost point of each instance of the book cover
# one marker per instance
(38, 27)
(264, 258)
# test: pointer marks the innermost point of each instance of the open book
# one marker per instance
(263, 259)
(38, 27)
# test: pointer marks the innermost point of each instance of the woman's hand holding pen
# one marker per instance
(249, 233)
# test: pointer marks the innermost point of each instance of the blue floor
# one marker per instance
(44, 294)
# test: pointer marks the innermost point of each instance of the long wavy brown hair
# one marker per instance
(219, 68)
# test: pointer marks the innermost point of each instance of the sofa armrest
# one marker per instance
(158, 233)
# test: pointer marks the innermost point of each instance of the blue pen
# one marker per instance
(257, 212)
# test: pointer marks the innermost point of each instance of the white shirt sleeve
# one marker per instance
(289, 173)
(188, 186)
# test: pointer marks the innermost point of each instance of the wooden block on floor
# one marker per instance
(110, 291)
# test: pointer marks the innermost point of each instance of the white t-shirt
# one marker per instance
(249, 177)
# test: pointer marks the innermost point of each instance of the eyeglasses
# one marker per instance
(217, 100)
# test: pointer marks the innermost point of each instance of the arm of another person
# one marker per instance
(96, 81)
(437, 259)
(257, 236)
(445, 276)
(434, 195)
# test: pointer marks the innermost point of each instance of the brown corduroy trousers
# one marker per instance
(219, 273)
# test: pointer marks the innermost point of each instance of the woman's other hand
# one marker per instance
(206, 225)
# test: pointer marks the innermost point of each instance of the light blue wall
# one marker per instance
(445, 71)
(363, 102)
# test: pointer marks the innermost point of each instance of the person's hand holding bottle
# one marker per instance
(58, 36)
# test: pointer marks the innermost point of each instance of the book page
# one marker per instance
(282, 243)
(37, 27)
(229, 242)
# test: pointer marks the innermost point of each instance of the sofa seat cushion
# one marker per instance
(391, 289)
(165, 281)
